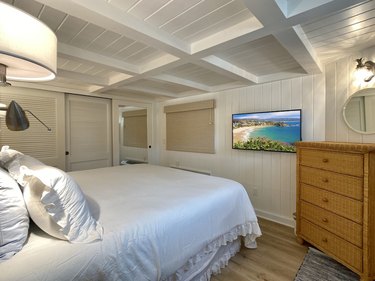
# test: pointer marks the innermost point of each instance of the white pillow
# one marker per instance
(66, 215)
(32, 193)
(12, 160)
(14, 219)
(63, 201)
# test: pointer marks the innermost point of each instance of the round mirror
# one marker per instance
(359, 111)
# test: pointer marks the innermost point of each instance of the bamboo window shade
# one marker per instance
(135, 128)
(190, 127)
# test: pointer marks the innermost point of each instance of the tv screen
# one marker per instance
(269, 131)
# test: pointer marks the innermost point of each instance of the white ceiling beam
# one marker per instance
(278, 76)
(274, 21)
(100, 81)
(225, 68)
(158, 68)
(181, 81)
(227, 86)
(229, 33)
(68, 51)
(298, 46)
(148, 91)
(53, 88)
(268, 13)
(107, 16)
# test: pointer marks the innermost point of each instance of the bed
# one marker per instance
(159, 223)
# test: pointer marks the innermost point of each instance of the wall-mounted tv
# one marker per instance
(269, 131)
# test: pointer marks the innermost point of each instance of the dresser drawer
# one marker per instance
(345, 163)
(338, 225)
(334, 245)
(338, 204)
(339, 183)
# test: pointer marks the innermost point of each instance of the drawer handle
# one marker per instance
(324, 220)
(325, 240)
(325, 160)
(325, 199)
(325, 180)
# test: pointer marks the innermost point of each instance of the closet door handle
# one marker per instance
(325, 160)
(67, 153)
(325, 199)
(325, 180)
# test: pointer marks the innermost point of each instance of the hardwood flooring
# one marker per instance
(277, 258)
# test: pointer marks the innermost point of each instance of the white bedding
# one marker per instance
(156, 221)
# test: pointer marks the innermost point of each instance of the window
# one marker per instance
(190, 127)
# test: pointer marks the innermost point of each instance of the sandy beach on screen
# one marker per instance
(241, 134)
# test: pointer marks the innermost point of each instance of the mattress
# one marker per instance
(158, 223)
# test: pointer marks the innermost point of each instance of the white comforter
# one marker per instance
(155, 220)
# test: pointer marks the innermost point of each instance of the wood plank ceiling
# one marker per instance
(163, 49)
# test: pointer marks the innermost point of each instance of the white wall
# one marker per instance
(269, 177)
(340, 84)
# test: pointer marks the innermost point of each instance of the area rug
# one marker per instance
(319, 267)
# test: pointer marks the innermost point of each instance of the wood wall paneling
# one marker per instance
(269, 177)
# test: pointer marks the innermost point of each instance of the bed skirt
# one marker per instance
(216, 255)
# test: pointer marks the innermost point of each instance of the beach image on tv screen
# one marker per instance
(271, 131)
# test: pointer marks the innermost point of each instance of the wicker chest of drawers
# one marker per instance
(336, 202)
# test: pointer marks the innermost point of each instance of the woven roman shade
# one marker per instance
(135, 128)
(190, 127)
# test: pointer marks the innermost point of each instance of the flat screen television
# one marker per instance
(268, 131)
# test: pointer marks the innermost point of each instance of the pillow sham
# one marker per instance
(12, 160)
(64, 202)
(66, 214)
(32, 194)
(14, 219)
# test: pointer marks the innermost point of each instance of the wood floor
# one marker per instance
(277, 258)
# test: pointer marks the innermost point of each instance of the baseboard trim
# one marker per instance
(275, 218)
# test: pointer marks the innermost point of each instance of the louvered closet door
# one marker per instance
(48, 147)
(89, 134)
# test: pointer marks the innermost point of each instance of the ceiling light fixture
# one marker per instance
(28, 48)
(365, 70)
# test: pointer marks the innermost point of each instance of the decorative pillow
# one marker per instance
(32, 193)
(14, 219)
(66, 214)
(12, 160)
(64, 202)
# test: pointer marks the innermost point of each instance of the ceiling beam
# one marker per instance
(181, 81)
(298, 46)
(147, 91)
(223, 67)
(71, 52)
(100, 81)
(107, 16)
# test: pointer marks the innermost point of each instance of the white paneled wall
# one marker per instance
(269, 177)
(341, 83)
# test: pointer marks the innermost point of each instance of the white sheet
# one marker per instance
(155, 220)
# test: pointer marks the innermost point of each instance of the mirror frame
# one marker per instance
(362, 92)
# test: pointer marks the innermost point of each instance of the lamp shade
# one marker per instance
(28, 48)
(15, 117)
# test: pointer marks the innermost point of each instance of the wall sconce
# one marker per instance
(16, 119)
(28, 47)
(365, 70)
